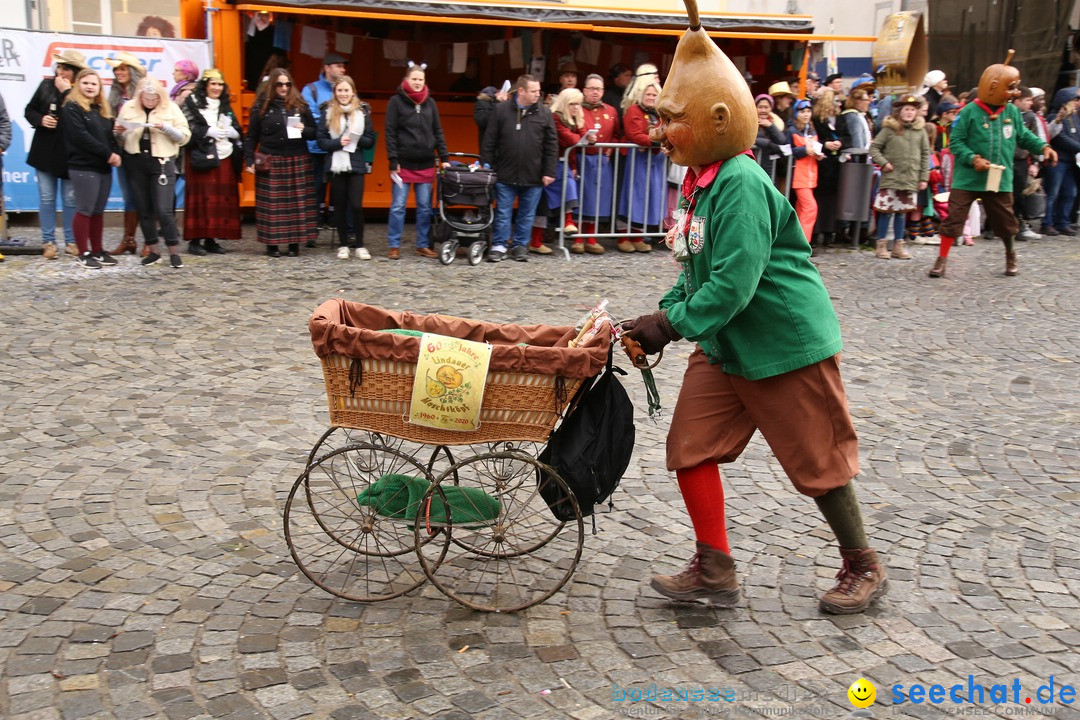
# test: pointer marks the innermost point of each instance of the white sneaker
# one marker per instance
(362, 254)
(343, 253)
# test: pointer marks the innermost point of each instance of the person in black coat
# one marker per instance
(827, 124)
(278, 131)
(485, 104)
(521, 146)
(214, 158)
(414, 137)
(86, 119)
(345, 131)
(48, 155)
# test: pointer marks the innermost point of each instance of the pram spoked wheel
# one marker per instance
(350, 529)
(507, 552)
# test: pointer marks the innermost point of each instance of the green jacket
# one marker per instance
(748, 294)
(975, 133)
(908, 151)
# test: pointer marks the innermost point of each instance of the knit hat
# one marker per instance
(763, 96)
(933, 78)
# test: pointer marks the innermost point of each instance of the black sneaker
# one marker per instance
(88, 261)
(273, 251)
(520, 253)
(151, 259)
(175, 261)
(105, 258)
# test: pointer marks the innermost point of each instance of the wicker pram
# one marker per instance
(369, 372)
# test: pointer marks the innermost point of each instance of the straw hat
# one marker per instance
(780, 88)
(123, 58)
(74, 58)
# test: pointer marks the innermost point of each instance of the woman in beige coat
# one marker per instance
(152, 129)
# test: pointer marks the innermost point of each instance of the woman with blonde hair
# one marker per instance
(646, 74)
(153, 129)
(345, 131)
(128, 70)
(825, 119)
(643, 198)
(569, 129)
(92, 154)
(278, 131)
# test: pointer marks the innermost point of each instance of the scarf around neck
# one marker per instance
(353, 123)
(418, 98)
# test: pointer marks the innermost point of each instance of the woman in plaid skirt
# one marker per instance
(212, 198)
(285, 209)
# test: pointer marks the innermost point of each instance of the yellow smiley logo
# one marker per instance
(862, 693)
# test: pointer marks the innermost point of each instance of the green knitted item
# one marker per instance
(403, 331)
(398, 496)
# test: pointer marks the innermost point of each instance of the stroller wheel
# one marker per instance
(476, 251)
(447, 251)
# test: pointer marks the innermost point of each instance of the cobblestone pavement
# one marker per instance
(155, 419)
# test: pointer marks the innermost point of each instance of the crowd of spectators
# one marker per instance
(187, 142)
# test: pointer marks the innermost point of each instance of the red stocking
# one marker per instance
(80, 226)
(587, 229)
(537, 238)
(703, 493)
(946, 245)
(97, 229)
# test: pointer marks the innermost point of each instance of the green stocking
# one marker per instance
(841, 511)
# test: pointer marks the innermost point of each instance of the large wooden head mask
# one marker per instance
(1000, 83)
(706, 110)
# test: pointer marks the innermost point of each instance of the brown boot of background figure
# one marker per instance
(128, 244)
(1011, 267)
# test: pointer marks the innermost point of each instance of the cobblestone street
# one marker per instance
(154, 421)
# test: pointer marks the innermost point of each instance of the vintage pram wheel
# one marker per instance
(348, 523)
(477, 248)
(508, 551)
(448, 251)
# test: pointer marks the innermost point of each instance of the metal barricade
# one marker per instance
(611, 225)
(853, 196)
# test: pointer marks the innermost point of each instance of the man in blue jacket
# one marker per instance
(315, 94)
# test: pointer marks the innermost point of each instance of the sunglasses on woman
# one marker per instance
(283, 84)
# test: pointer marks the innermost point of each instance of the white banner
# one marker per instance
(26, 59)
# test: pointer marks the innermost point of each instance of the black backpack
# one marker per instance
(591, 449)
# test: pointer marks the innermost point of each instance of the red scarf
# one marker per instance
(992, 110)
(416, 97)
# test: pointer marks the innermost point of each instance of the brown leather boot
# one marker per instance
(128, 244)
(860, 580)
(939, 268)
(711, 576)
(1011, 268)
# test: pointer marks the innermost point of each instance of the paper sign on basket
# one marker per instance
(448, 389)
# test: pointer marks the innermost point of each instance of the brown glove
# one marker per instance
(652, 331)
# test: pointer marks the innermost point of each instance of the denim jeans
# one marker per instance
(47, 208)
(125, 190)
(1060, 187)
(528, 197)
(396, 223)
(899, 221)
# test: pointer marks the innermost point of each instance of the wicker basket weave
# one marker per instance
(517, 406)
(369, 373)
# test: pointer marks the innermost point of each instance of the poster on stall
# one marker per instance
(448, 390)
(26, 58)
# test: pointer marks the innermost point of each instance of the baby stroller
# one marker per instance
(465, 215)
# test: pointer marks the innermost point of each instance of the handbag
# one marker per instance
(203, 155)
(262, 162)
